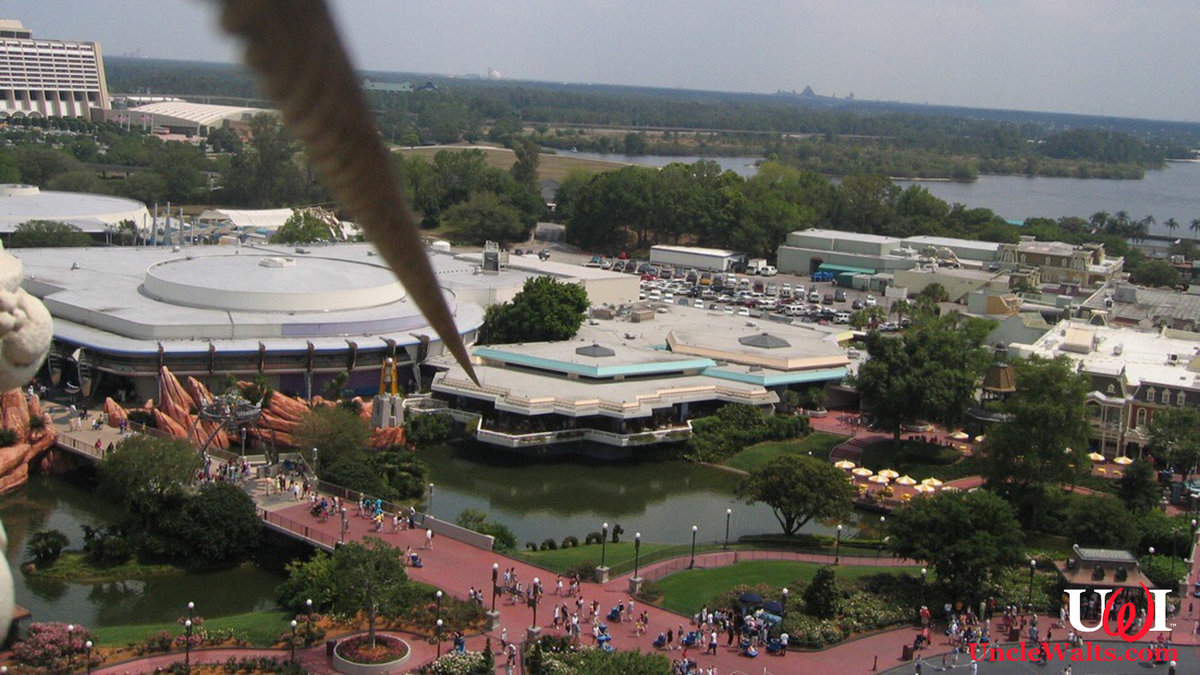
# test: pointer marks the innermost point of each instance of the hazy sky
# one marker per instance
(1135, 58)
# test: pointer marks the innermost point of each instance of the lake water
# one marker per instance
(65, 504)
(1173, 192)
(554, 497)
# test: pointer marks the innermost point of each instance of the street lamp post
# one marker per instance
(692, 564)
(924, 576)
(535, 595)
(1032, 569)
(439, 638)
(70, 647)
(637, 552)
(342, 539)
(308, 621)
(88, 645)
(837, 546)
(785, 599)
(728, 515)
(187, 645)
(316, 463)
(293, 640)
(603, 543)
(430, 509)
(882, 539)
(438, 595)
(495, 583)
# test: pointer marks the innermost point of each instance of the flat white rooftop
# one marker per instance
(1144, 356)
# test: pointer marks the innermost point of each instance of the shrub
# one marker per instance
(570, 541)
(459, 663)
(811, 632)
(8, 437)
(46, 545)
(864, 611)
(583, 569)
(549, 544)
(107, 545)
(650, 592)
(592, 538)
(37, 422)
(531, 546)
(428, 428)
(52, 646)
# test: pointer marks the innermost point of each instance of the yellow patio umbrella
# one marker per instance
(925, 489)
(890, 473)
(959, 435)
(1123, 460)
(906, 480)
(880, 479)
(863, 472)
(1095, 457)
(980, 439)
(845, 464)
(932, 482)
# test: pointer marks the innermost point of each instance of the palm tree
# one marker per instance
(1171, 224)
(1195, 225)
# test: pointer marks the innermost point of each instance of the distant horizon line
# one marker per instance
(777, 93)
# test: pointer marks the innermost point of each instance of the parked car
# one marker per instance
(839, 295)
(870, 301)
(828, 300)
(857, 304)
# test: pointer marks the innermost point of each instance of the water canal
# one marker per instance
(537, 498)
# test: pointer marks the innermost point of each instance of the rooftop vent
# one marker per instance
(277, 262)
(595, 351)
(764, 341)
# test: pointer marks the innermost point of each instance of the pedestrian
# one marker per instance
(670, 639)
(504, 639)
(917, 665)
(783, 640)
(629, 616)
(429, 539)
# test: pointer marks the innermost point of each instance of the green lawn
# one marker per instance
(819, 444)
(686, 592)
(564, 559)
(262, 629)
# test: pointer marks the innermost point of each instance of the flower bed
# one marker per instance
(355, 655)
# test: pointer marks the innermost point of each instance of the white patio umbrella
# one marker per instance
(906, 480)
(890, 473)
(880, 479)
(1123, 460)
(863, 472)
(932, 482)
(959, 435)
(1096, 457)
(925, 489)
(845, 464)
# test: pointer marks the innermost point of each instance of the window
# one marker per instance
(1141, 418)
(1166, 397)
(1180, 398)
(1150, 394)
(1112, 388)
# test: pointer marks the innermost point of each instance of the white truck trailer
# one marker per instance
(713, 259)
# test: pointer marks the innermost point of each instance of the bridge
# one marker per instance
(278, 511)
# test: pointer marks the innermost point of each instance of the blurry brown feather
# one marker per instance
(295, 49)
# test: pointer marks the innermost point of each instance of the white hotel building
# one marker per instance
(48, 78)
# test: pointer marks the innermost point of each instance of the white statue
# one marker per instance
(25, 332)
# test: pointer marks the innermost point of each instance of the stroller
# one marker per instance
(615, 614)
(774, 646)
(691, 639)
(746, 648)
(660, 641)
(415, 561)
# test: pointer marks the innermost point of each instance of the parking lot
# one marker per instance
(781, 295)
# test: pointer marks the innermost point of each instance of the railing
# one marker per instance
(309, 534)
(518, 440)
(76, 445)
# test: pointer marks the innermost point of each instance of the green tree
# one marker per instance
(147, 475)
(1156, 273)
(370, 578)
(1139, 488)
(1175, 436)
(545, 310)
(46, 546)
(798, 488)
(1102, 522)
(484, 216)
(39, 164)
(428, 428)
(868, 316)
(525, 169)
(239, 531)
(336, 432)
(312, 579)
(1043, 438)
(821, 595)
(47, 234)
(635, 144)
(966, 537)
(263, 172)
(927, 373)
(935, 292)
(304, 227)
